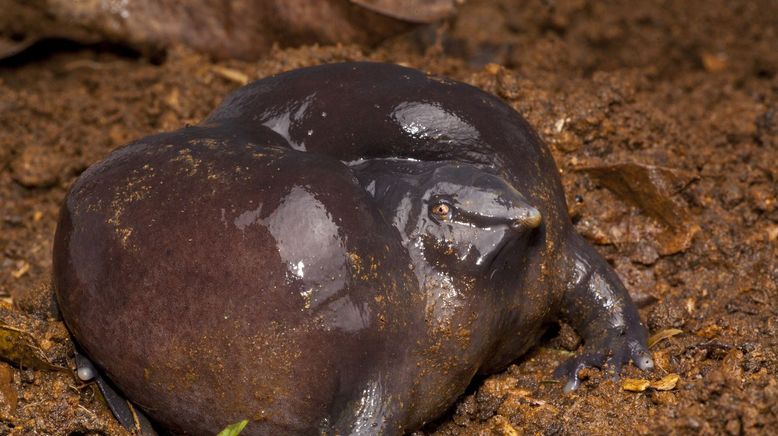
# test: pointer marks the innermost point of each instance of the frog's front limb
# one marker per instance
(132, 419)
(599, 308)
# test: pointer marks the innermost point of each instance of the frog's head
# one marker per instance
(468, 216)
(459, 216)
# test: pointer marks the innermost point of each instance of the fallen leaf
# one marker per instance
(652, 189)
(635, 384)
(661, 335)
(414, 11)
(666, 383)
(232, 75)
(20, 348)
(234, 429)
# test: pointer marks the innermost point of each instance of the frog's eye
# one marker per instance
(441, 211)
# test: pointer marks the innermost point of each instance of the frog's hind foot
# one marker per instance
(612, 350)
(599, 307)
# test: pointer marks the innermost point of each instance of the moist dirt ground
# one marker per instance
(662, 117)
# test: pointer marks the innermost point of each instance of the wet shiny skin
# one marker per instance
(482, 212)
(340, 248)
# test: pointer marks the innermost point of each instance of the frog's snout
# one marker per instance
(529, 218)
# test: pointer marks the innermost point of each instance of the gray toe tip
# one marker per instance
(645, 362)
(571, 385)
(85, 373)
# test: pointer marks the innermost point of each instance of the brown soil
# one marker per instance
(676, 101)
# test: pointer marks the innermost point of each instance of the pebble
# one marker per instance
(36, 167)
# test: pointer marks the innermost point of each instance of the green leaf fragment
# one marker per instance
(234, 429)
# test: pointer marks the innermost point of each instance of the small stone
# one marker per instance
(568, 337)
(731, 365)
(567, 141)
(731, 194)
(492, 68)
(772, 233)
(666, 314)
(36, 167)
(45, 344)
(644, 253)
(714, 62)
(690, 305)
(762, 198)
(733, 427)
(663, 398)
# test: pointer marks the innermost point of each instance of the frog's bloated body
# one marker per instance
(339, 248)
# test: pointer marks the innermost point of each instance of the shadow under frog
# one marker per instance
(314, 262)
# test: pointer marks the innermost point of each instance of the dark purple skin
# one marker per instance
(288, 260)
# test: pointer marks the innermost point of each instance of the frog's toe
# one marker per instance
(622, 350)
(640, 355)
(612, 351)
(618, 358)
(569, 369)
(85, 370)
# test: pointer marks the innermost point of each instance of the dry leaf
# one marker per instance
(666, 383)
(635, 384)
(19, 347)
(653, 189)
(662, 334)
(414, 11)
(230, 74)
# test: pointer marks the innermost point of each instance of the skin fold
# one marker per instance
(335, 249)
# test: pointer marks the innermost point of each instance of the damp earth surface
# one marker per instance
(666, 136)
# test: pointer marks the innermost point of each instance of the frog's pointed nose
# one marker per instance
(530, 218)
